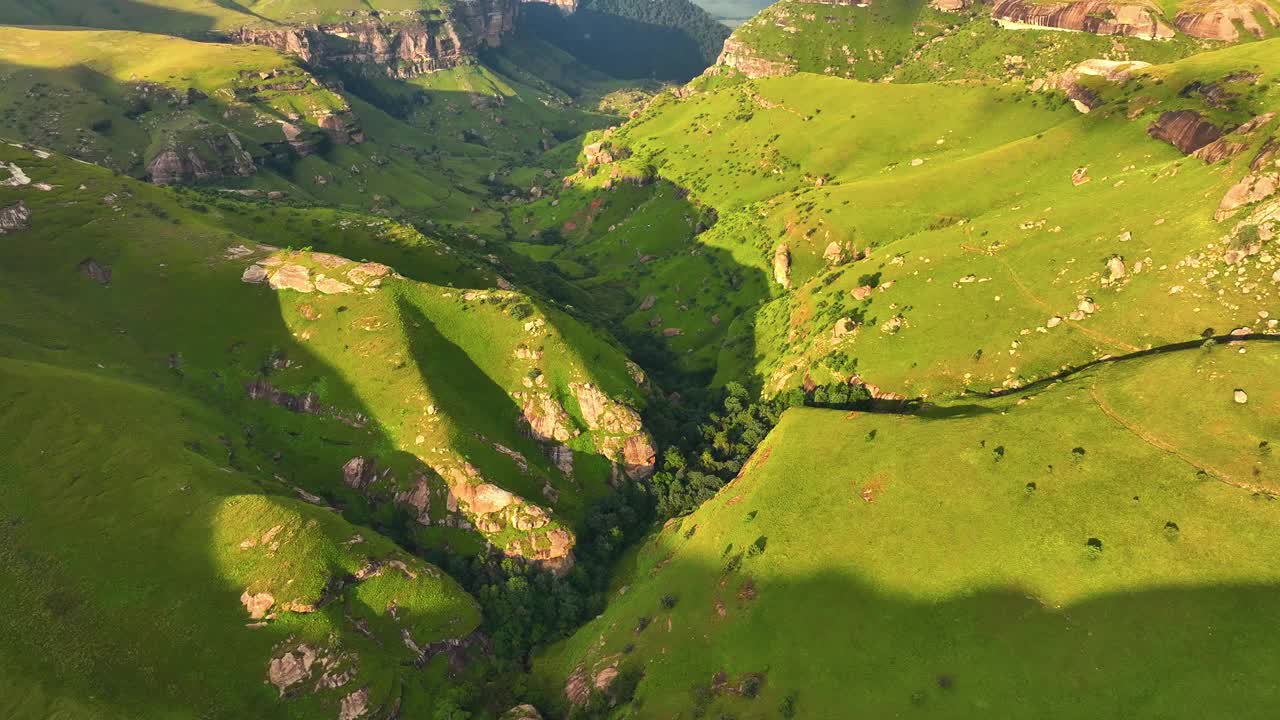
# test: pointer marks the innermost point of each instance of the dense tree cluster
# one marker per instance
(702, 456)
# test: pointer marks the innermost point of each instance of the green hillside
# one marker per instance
(491, 419)
(1094, 546)
(960, 252)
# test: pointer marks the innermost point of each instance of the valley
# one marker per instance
(533, 360)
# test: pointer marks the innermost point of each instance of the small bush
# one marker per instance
(668, 601)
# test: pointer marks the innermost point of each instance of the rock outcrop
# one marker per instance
(221, 156)
(1091, 16)
(782, 266)
(743, 58)
(1186, 130)
(14, 218)
(1221, 19)
(405, 47)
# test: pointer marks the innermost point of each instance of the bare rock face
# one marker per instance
(426, 42)
(223, 156)
(354, 705)
(1091, 16)
(743, 58)
(782, 266)
(547, 421)
(639, 457)
(1220, 19)
(292, 277)
(602, 413)
(1253, 188)
(14, 218)
(291, 667)
(577, 687)
(257, 604)
(418, 499)
(1186, 130)
(949, 5)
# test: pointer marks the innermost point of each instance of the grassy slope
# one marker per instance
(955, 570)
(981, 189)
(910, 42)
(183, 457)
(194, 16)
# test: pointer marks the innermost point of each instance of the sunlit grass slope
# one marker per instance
(1098, 546)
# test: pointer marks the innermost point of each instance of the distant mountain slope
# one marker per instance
(651, 39)
(917, 41)
(177, 111)
(1093, 545)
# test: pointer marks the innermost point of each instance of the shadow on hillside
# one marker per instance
(116, 15)
(842, 647)
(702, 296)
(615, 45)
(179, 335)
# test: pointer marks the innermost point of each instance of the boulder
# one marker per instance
(1240, 396)
(95, 271)
(1253, 188)
(257, 604)
(291, 667)
(782, 266)
(648, 303)
(844, 326)
(1115, 270)
(254, 274)
(834, 254)
(1080, 176)
(15, 217)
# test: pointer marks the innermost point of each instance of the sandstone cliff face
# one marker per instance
(741, 57)
(1186, 130)
(1092, 16)
(412, 45)
(1219, 20)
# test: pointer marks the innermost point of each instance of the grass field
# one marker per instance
(940, 564)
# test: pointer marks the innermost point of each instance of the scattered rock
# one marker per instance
(354, 705)
(291, 668)
(254, 274)
(95, 271)
(15, 217)
(257, 604)
(1240, 396)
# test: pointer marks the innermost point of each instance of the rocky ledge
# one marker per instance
(405, 47)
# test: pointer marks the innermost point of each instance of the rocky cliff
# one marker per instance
(1092, 16)
(404, 46)
(1221, 19)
